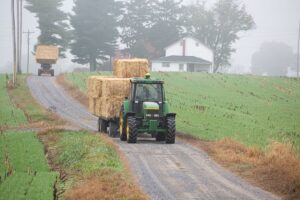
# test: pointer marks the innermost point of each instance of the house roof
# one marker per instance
(182, 59)
(191, 37)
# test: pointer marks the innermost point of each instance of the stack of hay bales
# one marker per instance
(128, 68)
(47, 54)
(106, 95)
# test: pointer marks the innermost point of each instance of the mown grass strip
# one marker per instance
(25, 173)
(86, 153)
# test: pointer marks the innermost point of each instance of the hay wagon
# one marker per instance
(131, 103)
(46, 56)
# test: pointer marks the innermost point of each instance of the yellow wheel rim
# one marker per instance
(127, 131)
(121, 123)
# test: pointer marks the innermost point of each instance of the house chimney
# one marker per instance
(183, 47)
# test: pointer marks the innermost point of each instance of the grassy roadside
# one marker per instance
(91, 166)
(36, 115)
(10, 115)
(81, 165)
(238, 120)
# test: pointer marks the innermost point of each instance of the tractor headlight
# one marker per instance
(152, 115)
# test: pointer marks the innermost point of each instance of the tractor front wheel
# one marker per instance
(131, 130)
(171, 129)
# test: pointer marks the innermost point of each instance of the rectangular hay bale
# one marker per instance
(107, 107)
(106, 95)
(47, 54)
(92, 105)
(129, 68)
(112, 87)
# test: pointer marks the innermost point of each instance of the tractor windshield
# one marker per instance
(149, 92)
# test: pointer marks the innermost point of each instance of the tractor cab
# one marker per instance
(146, 111)
(147, 96)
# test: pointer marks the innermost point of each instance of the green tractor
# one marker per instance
(146, 111)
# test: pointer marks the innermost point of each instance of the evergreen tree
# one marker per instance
(95, 31)
(136, 21)
(168, 22)
(51, 22)
(149, 26)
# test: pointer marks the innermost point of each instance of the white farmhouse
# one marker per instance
(186, 55)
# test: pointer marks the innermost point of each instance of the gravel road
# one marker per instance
(167, 172)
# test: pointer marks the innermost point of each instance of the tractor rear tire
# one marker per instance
(112, 131)
(52, 72)
(160, 137)
(102, 125)
(132, 130)
(171, 129)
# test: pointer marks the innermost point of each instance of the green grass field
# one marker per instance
(24, 172)
(250, 109)
(10, 115)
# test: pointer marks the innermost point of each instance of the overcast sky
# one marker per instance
(276, 20)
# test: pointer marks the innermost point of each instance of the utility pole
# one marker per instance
(28, 44)
(20, 36)
(298, 51)
(14, 41)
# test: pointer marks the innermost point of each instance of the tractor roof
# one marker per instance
(146, 81)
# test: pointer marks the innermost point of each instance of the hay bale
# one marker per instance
(47, 54)
(114, 87)
(128, 68)
(92, 105)
(94, 84)
(99, 86)
(106, 95)
(107, 107)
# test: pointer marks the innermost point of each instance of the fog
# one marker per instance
(276, 20)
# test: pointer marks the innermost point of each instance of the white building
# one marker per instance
(186, 55)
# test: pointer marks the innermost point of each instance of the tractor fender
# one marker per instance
(171, 115)
(129, 114)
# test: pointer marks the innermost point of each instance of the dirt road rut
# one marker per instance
(166, 172)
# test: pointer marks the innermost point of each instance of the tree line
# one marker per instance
(95, 28)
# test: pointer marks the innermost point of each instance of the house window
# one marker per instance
(181, 67)
(166, 64)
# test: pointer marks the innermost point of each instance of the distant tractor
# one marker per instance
(146, 110)
(46, 56)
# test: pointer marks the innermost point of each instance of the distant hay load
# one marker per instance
(106, 95)
(47, 54)
(129, 68)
